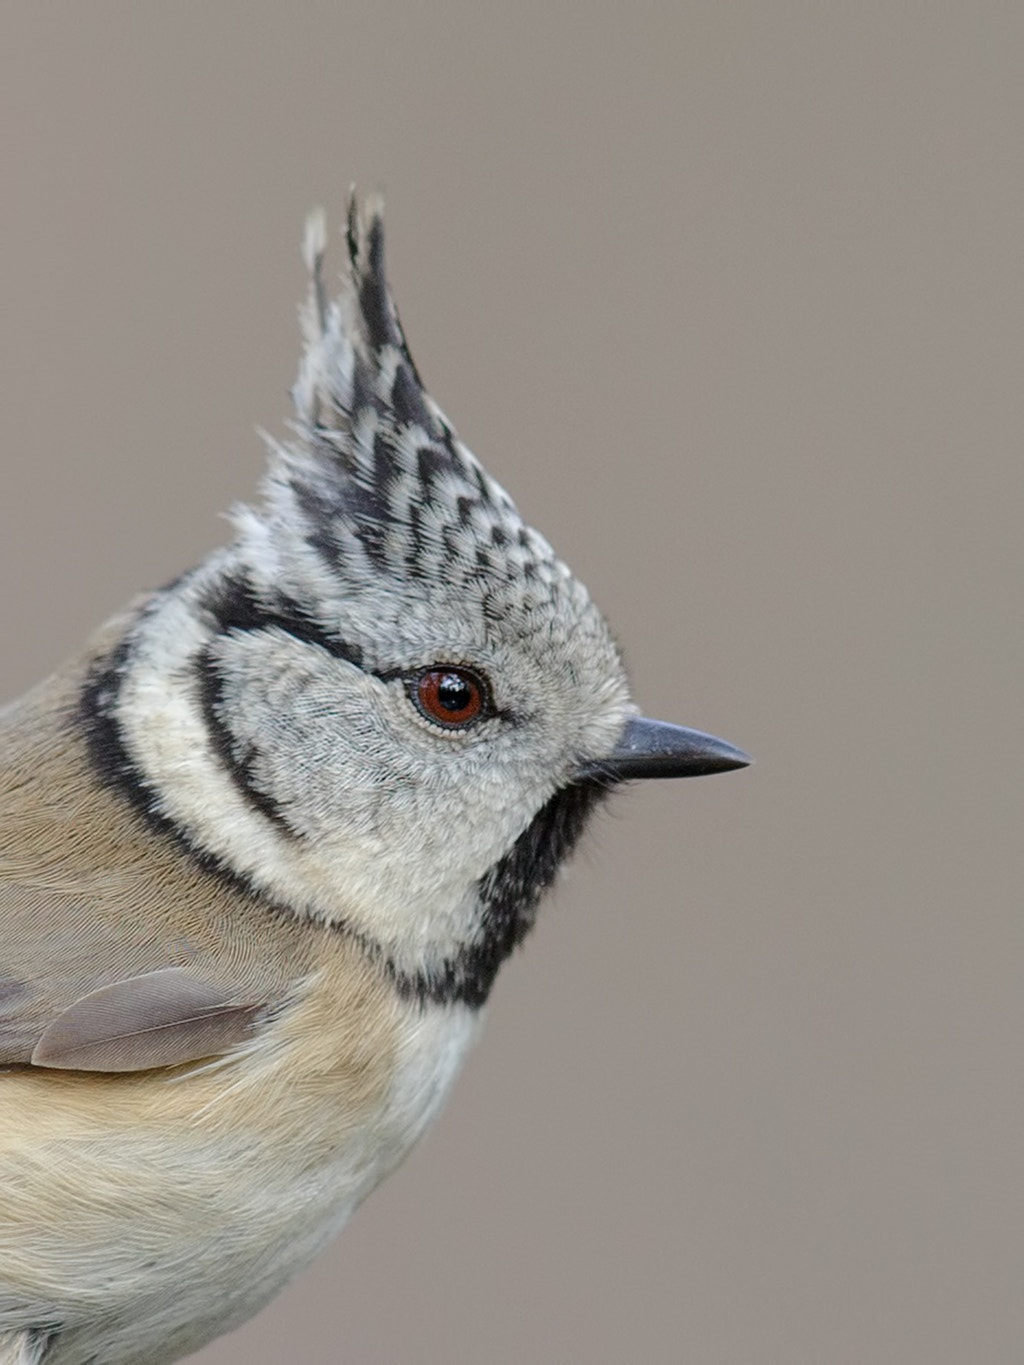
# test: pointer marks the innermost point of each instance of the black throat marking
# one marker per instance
(508, 893)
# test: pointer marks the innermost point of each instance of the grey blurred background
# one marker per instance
(729, 296)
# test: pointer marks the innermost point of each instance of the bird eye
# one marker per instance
(449, 696)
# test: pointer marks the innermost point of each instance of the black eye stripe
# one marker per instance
(210, 686)
(234, 606)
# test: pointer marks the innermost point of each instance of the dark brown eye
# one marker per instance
(452, 697)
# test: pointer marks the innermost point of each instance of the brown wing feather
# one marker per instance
(161, 1018)
(89, 985)
(117, 950)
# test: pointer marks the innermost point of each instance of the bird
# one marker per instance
(265, 843)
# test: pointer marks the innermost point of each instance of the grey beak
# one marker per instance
(654, 748)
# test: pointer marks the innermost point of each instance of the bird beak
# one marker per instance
(654, 748)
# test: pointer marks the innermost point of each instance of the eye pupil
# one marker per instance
(454, 693)
(451, 697)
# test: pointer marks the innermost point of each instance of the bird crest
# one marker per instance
(375, 484)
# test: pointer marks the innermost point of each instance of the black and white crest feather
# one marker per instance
(377, 481)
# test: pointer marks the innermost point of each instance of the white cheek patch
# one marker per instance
(415, 905)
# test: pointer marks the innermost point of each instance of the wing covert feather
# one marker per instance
(160, 1018)
(85, 986)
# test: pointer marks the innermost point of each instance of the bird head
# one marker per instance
(388, 704)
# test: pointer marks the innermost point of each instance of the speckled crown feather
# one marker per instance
(377, 482)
